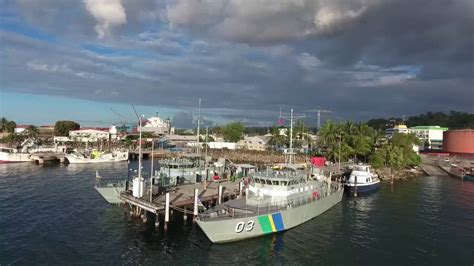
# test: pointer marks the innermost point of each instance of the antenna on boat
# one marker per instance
(140, 143)
(292, 118)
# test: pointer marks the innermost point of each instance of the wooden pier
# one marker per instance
(182, 198)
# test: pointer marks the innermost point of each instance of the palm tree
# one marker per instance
(276, 139)
(11, 125)
(329, 134)
(299, 128)
(3, 124)
(32, 131)
(350, 128)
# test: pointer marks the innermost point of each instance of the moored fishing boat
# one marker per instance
(12, 155)
(464, 173)
(96, 157)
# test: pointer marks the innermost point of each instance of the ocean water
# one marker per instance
(52, 215)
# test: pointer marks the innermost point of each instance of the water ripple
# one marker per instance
(52, 215)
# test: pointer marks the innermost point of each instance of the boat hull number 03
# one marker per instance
(242, 225)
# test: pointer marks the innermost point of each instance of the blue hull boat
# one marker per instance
(362, 178)
(361, 188)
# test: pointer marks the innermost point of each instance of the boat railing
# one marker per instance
(262, 209)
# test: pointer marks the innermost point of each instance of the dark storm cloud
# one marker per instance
(246, 59)
(183, 120)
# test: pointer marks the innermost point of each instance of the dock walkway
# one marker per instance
(183, 196)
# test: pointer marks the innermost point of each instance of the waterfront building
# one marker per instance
(431, 137)
(459, 142)
(20, 128)
(255, 143)
(222, 145)
(93, 134)
(396, 129)
(178, 140)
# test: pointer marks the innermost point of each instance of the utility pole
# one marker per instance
(319, 119)
(151, 174)
(207, 135)
(205, 157)
(198, 122)
(339, 157)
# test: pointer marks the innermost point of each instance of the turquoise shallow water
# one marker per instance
(52, 215)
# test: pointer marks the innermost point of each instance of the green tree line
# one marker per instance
(360, 142)
(452, 120)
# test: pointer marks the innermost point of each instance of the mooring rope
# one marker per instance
(181, 209)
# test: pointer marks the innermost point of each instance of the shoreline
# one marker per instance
(385, 174)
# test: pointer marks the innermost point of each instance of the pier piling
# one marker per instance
(185, 215)
(195, 211)
(157, 220)
(219, 199)
(167, 209)
(241, 186)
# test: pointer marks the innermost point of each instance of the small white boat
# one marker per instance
(362, 178)
(97, 157)
(12, 155)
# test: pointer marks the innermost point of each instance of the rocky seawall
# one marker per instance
(385, 174)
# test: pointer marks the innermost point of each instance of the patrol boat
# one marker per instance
(275, 201)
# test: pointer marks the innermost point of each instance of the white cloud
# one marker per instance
(108, 13)
(327, 17)
(63, 68)
(308, 61)
(372, 76)
(264, 20)
(57, 68)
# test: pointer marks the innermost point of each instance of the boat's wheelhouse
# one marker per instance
(7, 150)
(363, 174)
(275, 186)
